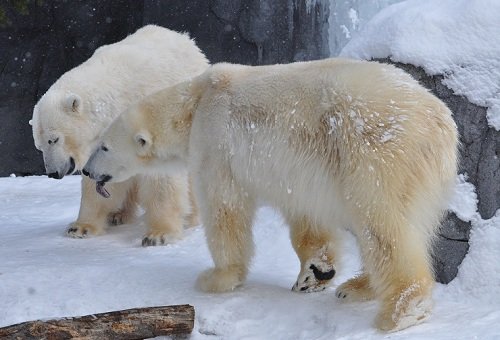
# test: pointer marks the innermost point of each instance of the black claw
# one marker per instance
(85, 233)
(344, 296)
(320, 275)
(307, 279)
(148, 242)
(303, 288)
(72, 230)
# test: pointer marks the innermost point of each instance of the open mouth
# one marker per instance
(99, 187)
(101, 190)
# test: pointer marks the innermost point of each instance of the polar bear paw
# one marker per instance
(159, 239)
(407, 308)
(118, 218)
(218, 280)
(356, 289)
(315, 276)
(83, 230)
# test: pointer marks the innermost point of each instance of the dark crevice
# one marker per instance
(453, 239)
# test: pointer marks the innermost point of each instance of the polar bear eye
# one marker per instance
(53, 141)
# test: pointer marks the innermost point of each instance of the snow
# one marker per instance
(44, 274)
(464, 200)
(348, 17)
(459, 39)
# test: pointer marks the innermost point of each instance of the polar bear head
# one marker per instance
(150, 137)
(65, 131)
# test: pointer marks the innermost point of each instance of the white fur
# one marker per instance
(332, 144)
(81, 104)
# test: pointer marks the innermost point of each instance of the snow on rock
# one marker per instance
(479, 273)
(459, 39)
(464, 200)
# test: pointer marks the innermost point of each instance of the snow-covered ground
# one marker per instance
(44, 274)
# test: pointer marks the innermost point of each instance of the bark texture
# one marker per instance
(138, 323)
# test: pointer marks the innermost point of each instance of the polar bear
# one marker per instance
(331, 144)
(70, 116)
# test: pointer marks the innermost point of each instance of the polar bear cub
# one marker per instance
(71, 115)
(338, 143)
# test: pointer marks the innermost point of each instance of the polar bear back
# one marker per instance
(136, 66)
(330, 131)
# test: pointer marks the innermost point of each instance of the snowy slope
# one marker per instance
(459, 39)
(44, 274)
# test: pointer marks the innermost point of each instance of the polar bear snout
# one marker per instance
(68, 169)
(101, 178)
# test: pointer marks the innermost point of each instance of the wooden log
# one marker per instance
(137, 323)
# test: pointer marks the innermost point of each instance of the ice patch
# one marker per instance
(346, 32)
(353, 16)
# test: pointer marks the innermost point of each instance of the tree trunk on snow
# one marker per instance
(137, 323)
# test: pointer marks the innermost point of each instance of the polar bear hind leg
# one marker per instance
(357, 289)
(316, 251)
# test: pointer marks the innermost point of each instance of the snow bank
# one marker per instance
(480, 271)
(459, 39)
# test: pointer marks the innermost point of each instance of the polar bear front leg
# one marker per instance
(316, 251)
(228, 228)
(165, 200)
(95, 210)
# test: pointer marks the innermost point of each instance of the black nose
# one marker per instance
(105, 178)
(54, 175)
(85, 172)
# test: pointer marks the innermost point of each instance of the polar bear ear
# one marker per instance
(143, 141)
(72, 103)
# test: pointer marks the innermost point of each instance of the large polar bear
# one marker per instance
(336, 142)
(69, 118)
